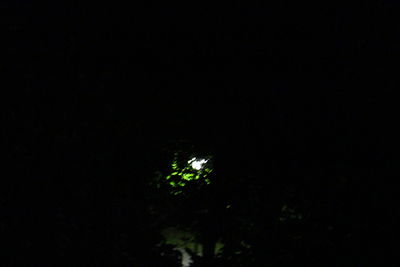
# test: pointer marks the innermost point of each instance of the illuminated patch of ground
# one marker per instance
(185, 240)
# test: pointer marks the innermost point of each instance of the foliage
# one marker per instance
(183, 175)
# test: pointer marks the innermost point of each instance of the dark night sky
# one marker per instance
(309, 79)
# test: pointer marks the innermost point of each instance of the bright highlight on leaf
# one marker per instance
(197, 164)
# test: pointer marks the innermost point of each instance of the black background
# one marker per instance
(92, 93)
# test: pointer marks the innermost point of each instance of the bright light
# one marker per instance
(197, 164)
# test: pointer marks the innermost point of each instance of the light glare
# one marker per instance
(197, 164)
